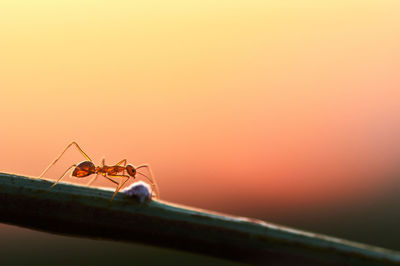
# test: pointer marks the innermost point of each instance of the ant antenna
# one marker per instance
(153, 183)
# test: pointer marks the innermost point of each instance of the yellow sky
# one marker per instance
(275, 93)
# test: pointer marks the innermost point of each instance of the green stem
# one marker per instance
(88, 212)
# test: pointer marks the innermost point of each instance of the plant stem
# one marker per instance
(87, 212)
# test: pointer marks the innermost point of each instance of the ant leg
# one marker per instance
(151, 179)
(92, 180)
(119, 185)
(126, 180)
(61, 177)
(119, 163)
(122, 161)
(115, 182)
(69, 145)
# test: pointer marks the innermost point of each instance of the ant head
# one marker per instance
(84, 168)
(131, 170)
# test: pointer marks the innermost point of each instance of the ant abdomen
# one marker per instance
(84, 169)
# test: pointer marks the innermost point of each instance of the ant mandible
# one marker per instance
(86, 168)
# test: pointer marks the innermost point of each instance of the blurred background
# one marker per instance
(286, 111)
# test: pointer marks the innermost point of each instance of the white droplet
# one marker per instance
(139, 190)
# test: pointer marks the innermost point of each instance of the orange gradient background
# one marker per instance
(279, 110)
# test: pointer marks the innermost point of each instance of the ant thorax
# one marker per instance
(111, 170)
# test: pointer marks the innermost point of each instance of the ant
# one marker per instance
(86, 168)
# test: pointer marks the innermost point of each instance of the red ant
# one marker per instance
(87, 168)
